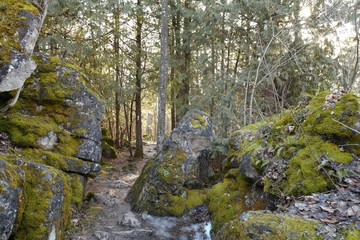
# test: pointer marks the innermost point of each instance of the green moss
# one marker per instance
(44, 157)
(77, 191)
(39, 192)
(169, 170)
(198, 121)
(108, 151)
(353, 234)
(24, 130)
(258, 225)
(324, 121)
(228, 199)
(10, 21)
(179, 205)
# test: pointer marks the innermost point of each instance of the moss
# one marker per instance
(108, 151)
(228, 199)
(44, 157)
(24, 130)
(10, 21)
(77, 191)
(198, 121)
(169, 170)
(352, 234)
(303, 173)
(259, 225)
(39, 193)
(179, 205)
(324, 121)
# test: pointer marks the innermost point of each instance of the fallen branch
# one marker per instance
(352, 129)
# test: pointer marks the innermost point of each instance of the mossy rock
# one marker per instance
(262, 225)
(10, 21)
(108, 151)
(171, 183)
(47, 208)
(301, 139)
(12, 198)
(232, 196)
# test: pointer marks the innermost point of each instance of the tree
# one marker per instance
(163, 75)
(138, 128)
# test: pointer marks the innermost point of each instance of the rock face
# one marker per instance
(167, 183)
(19, 30)
(292, 153)
(11, 197)
(297, 153)
(53, 143)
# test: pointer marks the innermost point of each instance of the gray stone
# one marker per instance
(10, 197)
(181, 165)
(89, 150)
(81, 167)
(47, 184)
(14, 74)
(142, 234)
(129, 220)
(48, 142)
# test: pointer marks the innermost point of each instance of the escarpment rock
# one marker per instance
(19, 29)
(11, 197)
(167, 183)
(293, 153)
(55, 121)
(300, 153)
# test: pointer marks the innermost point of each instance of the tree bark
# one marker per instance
(138, 130)
(164, 60)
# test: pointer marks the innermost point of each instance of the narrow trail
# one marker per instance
(105, 211)
(106, 216)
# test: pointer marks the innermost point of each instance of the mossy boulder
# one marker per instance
(12, 198)
(54, 133)
(108, 151)
(170, 184)
(20, 25)
(47, 208)
(107, 144)
(286, 153)
(232, 196)
(263, 225)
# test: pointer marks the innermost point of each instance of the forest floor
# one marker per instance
(106, 216)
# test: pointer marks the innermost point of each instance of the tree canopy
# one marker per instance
(238, 60)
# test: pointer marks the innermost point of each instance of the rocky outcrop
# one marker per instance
(293, 153)
(52, 142)
(167, 183)
(301, 153)
(11, 197)
(19, 29)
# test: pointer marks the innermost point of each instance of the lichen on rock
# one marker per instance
(286, 153)
(54, 121)
(169, 184)
(263, 225)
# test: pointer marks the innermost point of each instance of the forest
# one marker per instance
(240, 61)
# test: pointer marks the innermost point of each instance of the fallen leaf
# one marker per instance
(327, 209)
(329, 220)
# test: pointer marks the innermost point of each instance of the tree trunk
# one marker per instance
(138, 131)
(117, 75)
(163, 75)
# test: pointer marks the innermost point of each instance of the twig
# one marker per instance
(352, 129)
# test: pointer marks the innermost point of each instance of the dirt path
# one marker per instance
(106, 216)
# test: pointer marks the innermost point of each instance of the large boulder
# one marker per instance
(19, 29)
(300, 151)
(55, 120)
(11, 197)
(168, 183)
